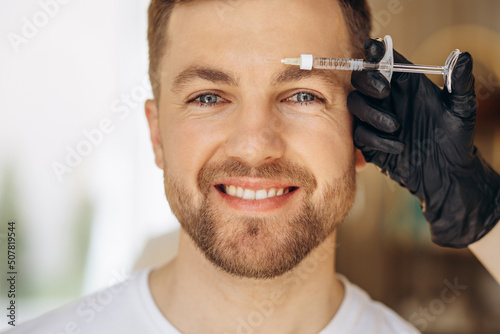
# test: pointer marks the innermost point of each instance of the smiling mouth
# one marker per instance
(249, 194)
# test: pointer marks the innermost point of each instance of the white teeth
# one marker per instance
(248, 194)
(254, 195)
(231, 190)
(261, 194)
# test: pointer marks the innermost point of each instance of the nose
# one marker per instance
(256, 135)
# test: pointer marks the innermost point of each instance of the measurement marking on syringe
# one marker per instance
(333, 62)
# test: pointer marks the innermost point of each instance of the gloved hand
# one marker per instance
(422, 137)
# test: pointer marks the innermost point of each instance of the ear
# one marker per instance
(360, 161)
(154, 129)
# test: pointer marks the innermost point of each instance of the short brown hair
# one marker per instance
(356, 12)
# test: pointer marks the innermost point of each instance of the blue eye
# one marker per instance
(208, 100)
(304, 98)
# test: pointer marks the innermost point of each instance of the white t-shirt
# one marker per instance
(129, 308)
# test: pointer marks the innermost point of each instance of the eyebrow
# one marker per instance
(219, 76)
(194, 72)
(294, 73)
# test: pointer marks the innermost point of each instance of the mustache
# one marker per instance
(282, 170)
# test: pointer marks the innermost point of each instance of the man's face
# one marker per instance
(232, 125)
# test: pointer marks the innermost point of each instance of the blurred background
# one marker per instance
(77, 173)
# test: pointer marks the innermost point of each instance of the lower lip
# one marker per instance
(259, 205)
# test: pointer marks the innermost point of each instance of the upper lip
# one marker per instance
(255, 184)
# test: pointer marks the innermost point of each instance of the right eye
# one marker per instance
(208, 100)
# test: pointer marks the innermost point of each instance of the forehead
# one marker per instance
(242, 34)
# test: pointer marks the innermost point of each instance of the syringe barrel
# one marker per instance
(338, 64)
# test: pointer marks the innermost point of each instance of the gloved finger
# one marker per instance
(463, 98)
(367, 111)
(462, 77)
(367, 138)
(371, 83)
(374, 50)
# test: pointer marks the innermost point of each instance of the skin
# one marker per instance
(257, 122)
(487, 251)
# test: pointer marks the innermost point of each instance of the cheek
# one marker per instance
(325, 144)
(187, 146)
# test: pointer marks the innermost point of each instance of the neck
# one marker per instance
(197, 297)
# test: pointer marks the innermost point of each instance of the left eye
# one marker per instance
(303, 97)
(208, 99)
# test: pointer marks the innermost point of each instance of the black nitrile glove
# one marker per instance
(422, 137)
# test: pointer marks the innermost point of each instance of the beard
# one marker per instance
(255, 246)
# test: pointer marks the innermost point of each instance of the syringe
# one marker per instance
(386, 66)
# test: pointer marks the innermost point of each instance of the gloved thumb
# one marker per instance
(463, 96)
(462, 78)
